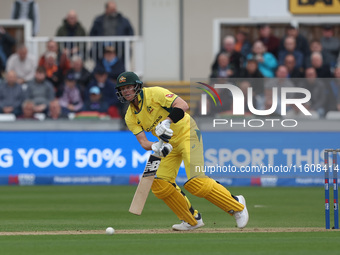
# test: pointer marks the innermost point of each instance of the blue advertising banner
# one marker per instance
(247, 158)
(71, 153)
(279, 154)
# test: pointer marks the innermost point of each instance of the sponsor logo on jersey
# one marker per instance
(154, 124)
(122, 79)
(169, 95)
(149, 109)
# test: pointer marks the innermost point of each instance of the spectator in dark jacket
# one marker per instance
(322, 70)
(82, 75)
(111, 63)
(333, 98)
(27, 111)
(111, 23)
(223, 69)
(235, 58)
(11, 95)
(40, 91)
(107, 87)
(71, 100)
(271, 42)
(290, 48)
(95, 103)
(316, 46)
(318, 91)
(330, 43)
(72, 27)
(252, 71)
(300, 41)
(293, 71)
(6, 44)
(242, 44)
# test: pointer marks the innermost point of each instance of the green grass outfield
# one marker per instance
(82, 209)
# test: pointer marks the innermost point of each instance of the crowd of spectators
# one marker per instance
(292, 60)
(58, 85)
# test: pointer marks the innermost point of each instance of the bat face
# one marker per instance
(144, 186)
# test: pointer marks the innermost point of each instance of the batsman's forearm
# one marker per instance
(147, 145)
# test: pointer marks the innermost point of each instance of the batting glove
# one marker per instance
(163, 130)
(161, 149)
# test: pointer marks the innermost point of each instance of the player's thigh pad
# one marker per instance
(174, 199)
(214, 192)
(169, 166)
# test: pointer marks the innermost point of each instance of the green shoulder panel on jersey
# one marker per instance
(141, 98)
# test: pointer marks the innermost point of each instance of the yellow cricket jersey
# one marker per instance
(155, 104)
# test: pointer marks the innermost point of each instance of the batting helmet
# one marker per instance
(128, 78)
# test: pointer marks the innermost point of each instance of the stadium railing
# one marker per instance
(91, 48)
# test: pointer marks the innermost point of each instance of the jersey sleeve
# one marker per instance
(163, 96)
(132, 124)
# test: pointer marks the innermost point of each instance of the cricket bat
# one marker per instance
(144, 185)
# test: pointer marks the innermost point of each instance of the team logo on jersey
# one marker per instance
(138, 121)
(122, 79)
(149, 109)
(169, 95)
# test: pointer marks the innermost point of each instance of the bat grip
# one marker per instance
(160, 145)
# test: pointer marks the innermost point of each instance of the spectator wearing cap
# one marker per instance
(71, 100)
(111, 63)
(11, 95)
(301, 43)
(107, 88)
(330, 43)
(23, 64)
(95, 103)
(40, 91)
(270, 41)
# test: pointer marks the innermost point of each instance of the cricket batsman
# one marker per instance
(163, 113)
